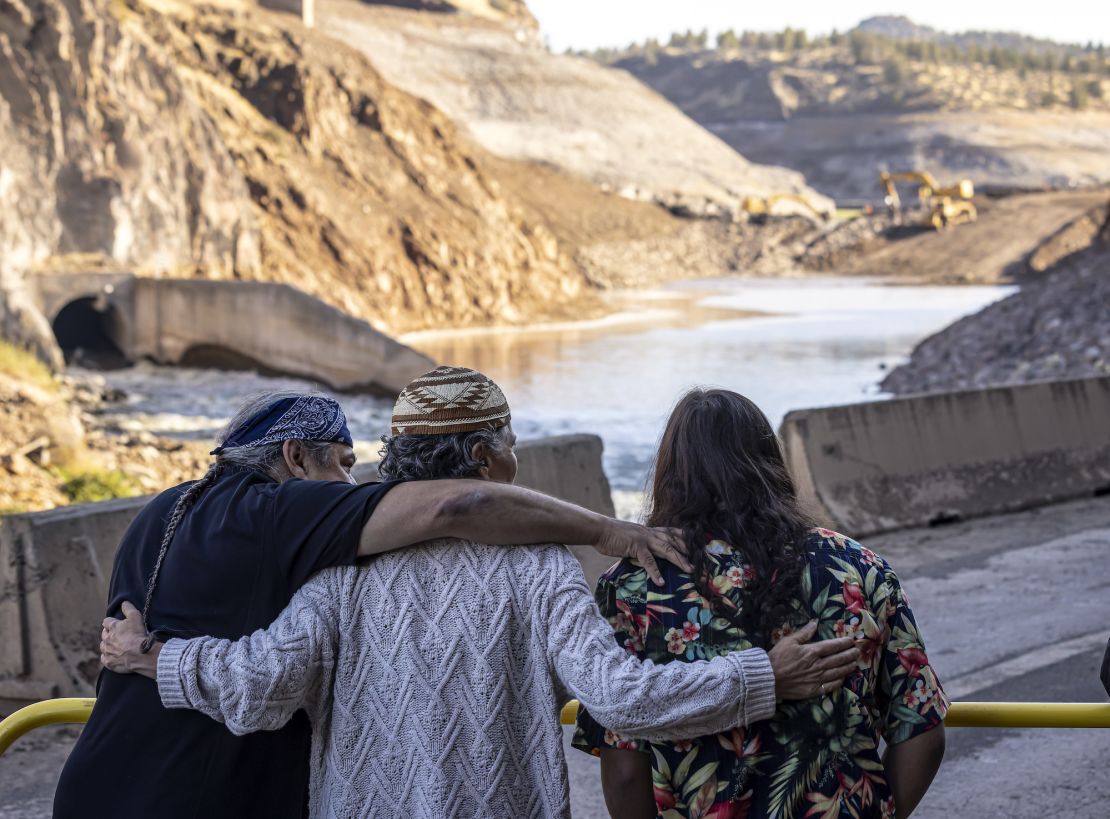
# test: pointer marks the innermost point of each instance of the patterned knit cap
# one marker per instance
(449, 400)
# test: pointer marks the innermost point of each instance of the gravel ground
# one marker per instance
(1056, 327)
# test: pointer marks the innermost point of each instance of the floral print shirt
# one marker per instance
(814, 758)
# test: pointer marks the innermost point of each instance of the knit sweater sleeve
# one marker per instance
(258, 682)
(639, 698)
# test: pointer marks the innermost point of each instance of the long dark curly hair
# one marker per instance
(720, 474)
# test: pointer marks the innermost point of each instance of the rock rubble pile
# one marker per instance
(1055, 327)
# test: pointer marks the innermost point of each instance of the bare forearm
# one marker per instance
(910, 767)
(500, 514)
(481, 511)
(505, 515)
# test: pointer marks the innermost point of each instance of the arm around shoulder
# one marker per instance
(639, 698)
(258, 682)
(476, 510)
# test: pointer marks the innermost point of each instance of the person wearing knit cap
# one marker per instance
(449, 400)
(451, 423)
(434, 676)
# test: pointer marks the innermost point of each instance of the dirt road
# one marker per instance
(991, 249)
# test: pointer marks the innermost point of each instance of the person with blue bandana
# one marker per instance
(223, 556)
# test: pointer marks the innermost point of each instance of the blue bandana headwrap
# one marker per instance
(304, 418)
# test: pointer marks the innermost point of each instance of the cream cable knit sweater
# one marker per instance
(434, 678)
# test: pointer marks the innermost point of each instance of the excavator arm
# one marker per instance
(946, 204)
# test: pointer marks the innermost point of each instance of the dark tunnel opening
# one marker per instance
(88, 336)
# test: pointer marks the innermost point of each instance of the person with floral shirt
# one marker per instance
(761, 571)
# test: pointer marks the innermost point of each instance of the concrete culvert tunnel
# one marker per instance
(88, 335)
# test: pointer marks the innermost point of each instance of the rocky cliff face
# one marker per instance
(103, 151)
(366, 196)
(176, 138)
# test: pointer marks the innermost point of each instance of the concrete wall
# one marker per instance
(55, 567)
(305, 8)
(933, 458)
(272, 327)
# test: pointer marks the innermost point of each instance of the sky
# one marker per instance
(594, 23)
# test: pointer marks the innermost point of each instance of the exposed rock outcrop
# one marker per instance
(228, 141)
(102, 150)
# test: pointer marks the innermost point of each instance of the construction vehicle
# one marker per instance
(945, 205)
(760, 208)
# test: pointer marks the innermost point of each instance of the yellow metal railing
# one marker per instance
(960, 715)
(47, 712)
(993, 714)
(1028, 715)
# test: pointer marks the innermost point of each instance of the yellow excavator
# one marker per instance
(759, 208)
(946, 205)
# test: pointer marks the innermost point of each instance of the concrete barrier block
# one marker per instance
(934, 458)
(569, 467)
(54, 573)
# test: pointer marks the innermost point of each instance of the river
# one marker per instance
(786, 343)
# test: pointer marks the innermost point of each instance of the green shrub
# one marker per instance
(90, 484)
(1079, 95)
(894, 71)
(23, 366)
(728, 40)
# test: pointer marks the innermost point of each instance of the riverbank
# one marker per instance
(58, 449)
(787, 342)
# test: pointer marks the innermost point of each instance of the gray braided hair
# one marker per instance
(266, 458)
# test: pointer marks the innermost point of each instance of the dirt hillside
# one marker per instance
(1014, 237)
(1003, 150)
(1003, 112)
(521, 101)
